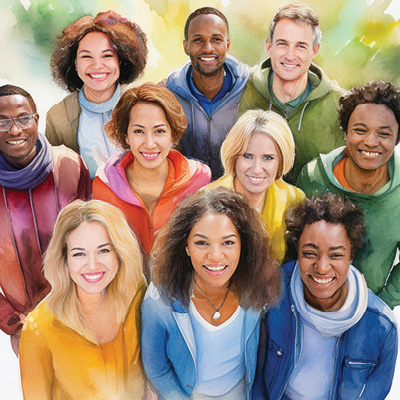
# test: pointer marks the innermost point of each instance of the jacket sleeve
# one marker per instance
(157, 365)
(51, 133)
(380, 380)
(10, 322)
(84, 191)
(390, 293)
(36, 364)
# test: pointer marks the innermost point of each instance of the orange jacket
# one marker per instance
(184, 178)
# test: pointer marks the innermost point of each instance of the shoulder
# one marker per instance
(378, 310)
(154, 303)
(290, 193)
(225, 181)
(69, 106)
(64, 159)
(39, 320)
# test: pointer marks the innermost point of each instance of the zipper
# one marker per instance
(334, 364)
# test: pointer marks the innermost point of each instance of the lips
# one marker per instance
(370, 153)
(93, 277)
(99, 76)
(322, 281)
(208, 58)
(149, 156)
(16, 142)
(215, 269)
(255, 180)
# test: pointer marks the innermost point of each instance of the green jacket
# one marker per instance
(382, 222)
(313, 124)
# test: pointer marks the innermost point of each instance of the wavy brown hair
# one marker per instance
(127, 38)
(117, 127)
(256, 280)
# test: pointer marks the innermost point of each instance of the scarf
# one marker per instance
(33, 174)
(334, 323)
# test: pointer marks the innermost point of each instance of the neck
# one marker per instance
(254, 200)
(333, 303)
(287, 91)
(213, 293)
(90, 302)
(209, 86)
(137, 173)
(95, 96)
(365, 181)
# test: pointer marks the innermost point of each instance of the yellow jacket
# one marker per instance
(280, 197)
(60, 364)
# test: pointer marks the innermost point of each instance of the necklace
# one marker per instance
(217, 315)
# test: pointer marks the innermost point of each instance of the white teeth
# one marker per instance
(321, 280)
(219, 268)
(207, 58)
(20, 141)
(369, 153)
(98, 76)
(289, 65)
(150, 155)
(93, 276)
(255, 180)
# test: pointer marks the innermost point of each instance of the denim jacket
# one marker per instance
(169, 348)
(364, 360)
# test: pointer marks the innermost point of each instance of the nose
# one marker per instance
(97, 62)
(257, 166)
(207, 45)
(92, 262)
(15, 129)
(290, 53)
(322, 265)
(149, 141)
(216, 253)
(371, 140)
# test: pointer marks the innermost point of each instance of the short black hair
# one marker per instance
(332, 208)
(10, 90)
(204, 11)
(374, 92)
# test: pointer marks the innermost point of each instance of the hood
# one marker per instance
(178, 83)
(329, 161)
(323, 85)
(113, 175)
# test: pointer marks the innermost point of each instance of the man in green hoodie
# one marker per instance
(291, 85)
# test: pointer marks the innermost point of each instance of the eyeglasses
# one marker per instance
(21, 122)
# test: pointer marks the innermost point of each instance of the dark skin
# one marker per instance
(207, 45)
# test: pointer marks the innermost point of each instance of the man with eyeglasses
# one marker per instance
(36, 181)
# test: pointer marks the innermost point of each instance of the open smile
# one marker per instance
(255, 180)
(16, 142)
(149, 156)
(208, 58)
(93, 278)
(370, 153)
(215, 269)
(322, 281)
(99, 76)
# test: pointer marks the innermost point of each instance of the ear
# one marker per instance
(185, 47)
(315, 50)
(268, 45)
(127, 140)
(187, 251)
(228, 44)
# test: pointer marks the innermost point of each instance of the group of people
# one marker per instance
(168, 250)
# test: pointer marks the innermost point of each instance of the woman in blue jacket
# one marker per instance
(212, 275)
(330, 337)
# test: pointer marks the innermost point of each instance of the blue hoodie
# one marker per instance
(205, 133)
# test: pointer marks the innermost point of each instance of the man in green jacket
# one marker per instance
(289, 84)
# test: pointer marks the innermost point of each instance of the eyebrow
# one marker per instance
(155, 126)
(103, 51)
(314, 246)
(99, 247)
(223, 237)
(365, 125)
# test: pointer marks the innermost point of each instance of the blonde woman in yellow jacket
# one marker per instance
(256, 153)
(83, 340)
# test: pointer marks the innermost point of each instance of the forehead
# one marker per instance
(262, 141)
(212, 224)
(15, 103)
(95, 38)
(324, 235)
(287, 29)
(207, 24)
(376, 114)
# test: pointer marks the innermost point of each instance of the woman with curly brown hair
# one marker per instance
(367, 170)
(149, 179)
(212, 276)
(91, 59)
(329, 337)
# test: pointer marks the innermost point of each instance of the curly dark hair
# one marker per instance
(117, 127)
(332, 208)
(204, 11)
(374, 92)
(127, 38)
(10, 90)
(256, 280)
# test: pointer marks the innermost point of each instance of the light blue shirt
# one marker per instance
(94, 146)
(220, 352)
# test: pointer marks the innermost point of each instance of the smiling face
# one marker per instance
(149, 136)
(214, 249)
(91, 258)
(258, 166)
(291, 50)
(97, 65)
(17, 145)
(324, 257)
(207, 44)
(371, 136)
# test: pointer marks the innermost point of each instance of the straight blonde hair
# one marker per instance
(63, 299)
(260, 121)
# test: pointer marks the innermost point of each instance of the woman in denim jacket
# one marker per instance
(330, 337)
(212, 276)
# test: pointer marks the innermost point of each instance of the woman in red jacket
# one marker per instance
(150, 179)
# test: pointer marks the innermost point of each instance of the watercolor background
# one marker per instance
(361, 42)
